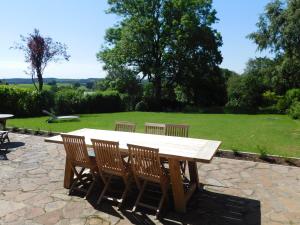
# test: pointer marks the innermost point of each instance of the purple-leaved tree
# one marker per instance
(39, 52)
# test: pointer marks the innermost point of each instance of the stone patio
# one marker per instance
(234, 192)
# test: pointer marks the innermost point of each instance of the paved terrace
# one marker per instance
(235, 192)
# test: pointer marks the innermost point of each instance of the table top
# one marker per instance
(173, 147)
(6, 116)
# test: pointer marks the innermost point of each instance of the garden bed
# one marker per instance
(272, 159)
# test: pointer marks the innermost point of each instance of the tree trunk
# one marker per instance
(157, 92)
(40, 79)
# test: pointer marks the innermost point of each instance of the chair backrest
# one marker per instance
(178, 130)
(155, 128)
(125, 126)
(76, 149)
(145, 162)
(108, 157)
(49, 113)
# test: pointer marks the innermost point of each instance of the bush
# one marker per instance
(294, 110)
(24, 102)
(291, 96)
(98, 102)
(244, 94)
(68, 101)
(141, 106)
(284, 103)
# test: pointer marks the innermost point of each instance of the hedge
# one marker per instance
(25, 102)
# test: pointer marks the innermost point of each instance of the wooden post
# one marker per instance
(3, 122)
(177, 185)
(193, 170)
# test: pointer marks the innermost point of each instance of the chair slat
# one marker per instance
(76, 149)
(125, 126)
(155, 128)
(145, 162)
(108, 156)
(178, 130)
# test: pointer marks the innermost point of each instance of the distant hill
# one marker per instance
(47, 80)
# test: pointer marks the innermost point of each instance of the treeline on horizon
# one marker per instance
(48, 80)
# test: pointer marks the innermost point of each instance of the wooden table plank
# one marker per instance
(171, 147)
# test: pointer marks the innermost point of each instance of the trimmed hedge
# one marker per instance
(24, 102)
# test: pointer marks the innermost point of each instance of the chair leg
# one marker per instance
(91, 185)
(77, 179)
(139, 196)
(161, 202)
(127, 186)
(104, 190)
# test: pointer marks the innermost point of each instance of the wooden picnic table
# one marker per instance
(3, 118)
(174, 149)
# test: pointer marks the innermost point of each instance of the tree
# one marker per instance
(126, 83)
(244, 94)
(39, 52)
(169, 42)
(279, 32)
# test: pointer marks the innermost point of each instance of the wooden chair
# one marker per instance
(178, 130)
(110, 163)
(155, 128)
(125, 126)
(77, 157)
(146, 167)
(4, 137)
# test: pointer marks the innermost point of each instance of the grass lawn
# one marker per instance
(275, 134)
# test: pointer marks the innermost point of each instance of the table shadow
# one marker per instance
(205, 207)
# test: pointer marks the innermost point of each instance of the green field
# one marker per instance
(31, 86)
(276, 134)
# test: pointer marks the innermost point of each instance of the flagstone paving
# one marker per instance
(234, 192)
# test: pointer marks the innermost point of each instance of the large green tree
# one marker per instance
(169, 42)
(279, 32)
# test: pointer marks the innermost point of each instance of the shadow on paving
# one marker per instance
(9, 147)
(205, 207)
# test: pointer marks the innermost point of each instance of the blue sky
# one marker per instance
(82, 24)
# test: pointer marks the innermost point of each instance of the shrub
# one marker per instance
(68, 101)
(244, 94)
(141, 106)
(98, 102)
(263, 154)
(284, 103)
(270, 98)
(291, 96)
(24, 102)
(294, 110)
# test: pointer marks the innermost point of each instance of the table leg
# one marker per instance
(3, 124)
(193, 170)
(69, 175)
(177, 185)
